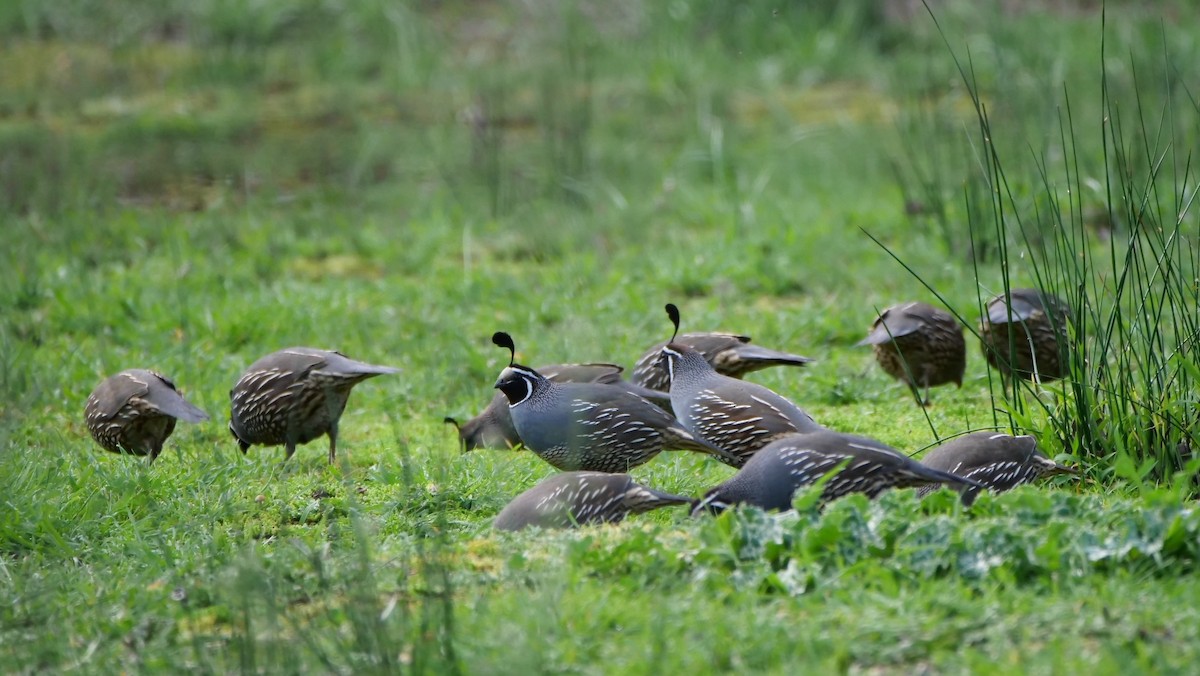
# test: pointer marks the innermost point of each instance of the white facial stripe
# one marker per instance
(529, 381)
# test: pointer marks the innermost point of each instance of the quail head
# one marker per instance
(493, 428)
(997, 461)
(569, 499)
(733, 415)
(858, 465)
(135, 411)
(295, 395)
(920, 345)
(730, 354)
(1027, 337)
(587, 426)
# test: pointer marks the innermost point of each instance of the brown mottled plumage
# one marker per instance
(919, 344)
(295, 395)
(135, 411)
(1030, 339)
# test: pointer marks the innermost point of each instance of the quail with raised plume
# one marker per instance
(733, 415)
(587, 426)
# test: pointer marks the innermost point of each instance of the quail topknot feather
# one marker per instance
(295, 395)
(997, 461)
(771, 478)
(733, 415)
(730, 354)
(1029, 336)
(919, 344)
(572, 499)
(588, 426)
(493, 427)
(135, 411)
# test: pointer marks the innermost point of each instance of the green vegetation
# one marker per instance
(190, 186)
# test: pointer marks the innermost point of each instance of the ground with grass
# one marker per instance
(190, 187)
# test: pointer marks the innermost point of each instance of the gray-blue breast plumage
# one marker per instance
(571, 499)
(493, 427)
(997, 461)
(736, 416)
(295, 395)
(860, 465)
(590, 426)
(134, 412)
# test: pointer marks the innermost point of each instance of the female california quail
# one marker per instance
(295, 395)
(493, 428)
(920, 345)
(730, 354)
(733, 415)
(771, 478)
(135, 411)
(997, 461)
(587, 426)
(576, 498)
(1027, 337)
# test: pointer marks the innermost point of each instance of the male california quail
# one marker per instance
(997, 461)
(295, 395)
(733, 415)
(919, 344)
(1030, 336)
(493, 428)
(730, 354)
(770, 478)
(587, 426)
(575, 498)
(135, 411)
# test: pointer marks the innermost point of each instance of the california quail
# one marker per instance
(576, 498)
(1030, 337)
(493, 428)
(919, 344)
(730, 354)
(135, 411)
(736, 416)
(295, 395)
(587, 426)
(997, 461)
(770, 479)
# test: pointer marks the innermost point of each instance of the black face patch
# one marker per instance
(518, 384)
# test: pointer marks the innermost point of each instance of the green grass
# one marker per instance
(189, 187)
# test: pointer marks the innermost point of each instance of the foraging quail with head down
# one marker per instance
(572, 499)
(295, 395)
(587, 426)
(997, 461)
(1028, 336)
(771, 478)
(733, 415)
(920, 345)
(135, 411)
(730, 354)
(493, 428)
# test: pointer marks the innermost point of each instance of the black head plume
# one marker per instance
(504, 340)
(451, 421)
(673, 313)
